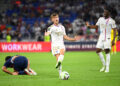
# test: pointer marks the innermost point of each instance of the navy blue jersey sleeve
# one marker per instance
(8, 63)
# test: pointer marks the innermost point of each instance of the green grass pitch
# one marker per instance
(83, 68)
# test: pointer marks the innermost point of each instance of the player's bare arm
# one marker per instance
(91, 26)
(69, 38)
(114, 32)
(7, 71)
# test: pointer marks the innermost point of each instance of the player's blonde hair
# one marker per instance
(53, 15)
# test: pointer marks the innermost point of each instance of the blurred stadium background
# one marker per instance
(26, 20)
(22, 26)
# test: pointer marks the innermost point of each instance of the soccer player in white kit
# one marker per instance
(58, 34)
(105, 24)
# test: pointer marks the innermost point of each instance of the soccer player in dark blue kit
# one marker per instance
(20, 65)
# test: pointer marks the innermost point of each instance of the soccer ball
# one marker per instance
(64, 75)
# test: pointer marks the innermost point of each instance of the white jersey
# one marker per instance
(57, 33)
(105, 26)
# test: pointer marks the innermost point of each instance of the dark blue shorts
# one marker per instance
(20, 63)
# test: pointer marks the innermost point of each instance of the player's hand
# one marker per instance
(46, 33)
(15, 73)
(76, 38)
(87, 24)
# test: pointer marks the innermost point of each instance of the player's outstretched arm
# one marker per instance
(69, 38)
(7, 71)
(91, 26)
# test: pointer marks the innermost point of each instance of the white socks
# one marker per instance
(60, 69)
(60, 58)
(102, 58)
(107, 61)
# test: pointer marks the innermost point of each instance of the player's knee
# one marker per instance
(62, 51)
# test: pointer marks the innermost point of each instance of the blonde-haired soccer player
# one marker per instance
(113, 48)
(105, 24)
(58, 34)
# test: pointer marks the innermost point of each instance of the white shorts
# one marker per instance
(56, 49)
(104, 44)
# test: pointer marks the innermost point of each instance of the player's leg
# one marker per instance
(115, 49)
(107, 52)
(60, 57)
(57, 56)
(99, 47)
(107, 48)
(18, 68)
(58, 52)
(28, 66)
(58, 65)
(28, 70)
(101, 56)
(112, 49)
